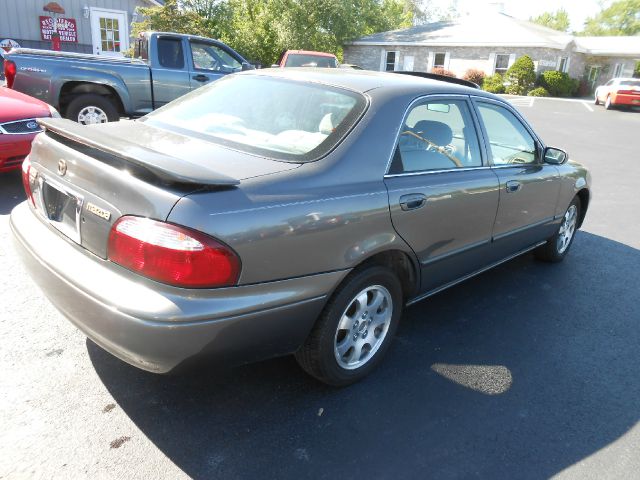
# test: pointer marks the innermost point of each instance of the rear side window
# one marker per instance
(510, 142)
(437, 135)
(170, 54)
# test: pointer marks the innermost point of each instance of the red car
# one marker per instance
(306, 58)
(18, 126)
(619, 91)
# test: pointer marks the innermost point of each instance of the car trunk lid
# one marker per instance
(86, 177)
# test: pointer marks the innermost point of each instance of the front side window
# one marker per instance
(510, 142)
(207, 56)
(437, 135)
(502, 63)
(439, 60)
(281, 119)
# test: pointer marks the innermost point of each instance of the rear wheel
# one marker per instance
(595, 99)
(607, 103)
(558, 245)
(90, 108)
(355, 329)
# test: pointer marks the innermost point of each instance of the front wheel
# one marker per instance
(355, 328)
(558, 245)
(90, 108)
(595, 100)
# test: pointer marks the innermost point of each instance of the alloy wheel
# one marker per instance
(92, 115)
(567, 229)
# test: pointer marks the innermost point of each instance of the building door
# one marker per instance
(109, 31)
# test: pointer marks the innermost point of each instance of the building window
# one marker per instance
(617, 71)
(439, 60)
(562, 66)
(502, 63)
(391, 60)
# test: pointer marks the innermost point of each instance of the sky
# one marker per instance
(578, 10)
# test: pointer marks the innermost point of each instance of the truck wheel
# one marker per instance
(90, 108)
(355, 329)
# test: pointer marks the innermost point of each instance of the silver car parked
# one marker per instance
(286, 211)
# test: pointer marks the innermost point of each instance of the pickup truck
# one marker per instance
(306, 58)
(98, 88)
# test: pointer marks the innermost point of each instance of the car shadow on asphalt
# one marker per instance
(11, 191)
(518, 373)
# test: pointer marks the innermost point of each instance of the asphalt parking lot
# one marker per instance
(527, 371)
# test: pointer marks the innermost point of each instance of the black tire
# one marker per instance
(317, 357)
(551, 251)
(596, 101)
(79, 103)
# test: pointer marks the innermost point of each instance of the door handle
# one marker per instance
(412, 201)
(513, 186)
(201, 78)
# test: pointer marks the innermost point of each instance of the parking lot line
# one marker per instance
(587, 106)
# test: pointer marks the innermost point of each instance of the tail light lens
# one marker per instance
(172, 254)
(26, 179)
(9, 72)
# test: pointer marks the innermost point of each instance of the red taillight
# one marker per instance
(172, 254)
(629, 92)
(26, 179)
(9, 72)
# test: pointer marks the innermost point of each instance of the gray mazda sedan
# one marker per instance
(286, 211)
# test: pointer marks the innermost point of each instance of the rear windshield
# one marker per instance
(630, 83)
(310, 60)
(281, 119)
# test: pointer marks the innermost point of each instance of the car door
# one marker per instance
(170, 72)
(529, 188)
(443, 197)
(210, 61)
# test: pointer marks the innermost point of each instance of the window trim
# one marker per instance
(396, 60)
(540, 145)
(495, 63)
(444, 60)
(476, 125)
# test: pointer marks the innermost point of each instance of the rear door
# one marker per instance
(529, 188)
(170, 72)
(443, 196)
(209, 61)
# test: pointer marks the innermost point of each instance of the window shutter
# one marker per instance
(447, 57)
(396, 61)
(430, 61)
(492, 64)
(558, 62)
(566, 65)
(383, 60)
(512, 58)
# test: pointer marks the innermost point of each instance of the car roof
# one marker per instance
(365, 81)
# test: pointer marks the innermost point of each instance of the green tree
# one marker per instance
(620, 18)
(170, 18)
(521, 76)
(558, 20)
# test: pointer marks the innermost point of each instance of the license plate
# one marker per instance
(61, 207)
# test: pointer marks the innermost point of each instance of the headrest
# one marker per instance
(437, 132)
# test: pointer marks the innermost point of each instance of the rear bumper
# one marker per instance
(13, 150)
(621, 99)
(156, 327)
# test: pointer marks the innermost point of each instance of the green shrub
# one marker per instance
(521, 76)
(538, 92)
(493, 84)
(558, 84)
(474, 75)
(442, 71)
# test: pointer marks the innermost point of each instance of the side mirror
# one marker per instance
(247, 66)
(555, 156)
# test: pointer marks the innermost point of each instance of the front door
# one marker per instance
(529, 188)
(443, 198)
(109, 31)
(210, 62)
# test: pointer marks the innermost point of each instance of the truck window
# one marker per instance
(207, 56)
(170, 52)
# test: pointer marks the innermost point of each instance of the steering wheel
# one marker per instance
(447, 150)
